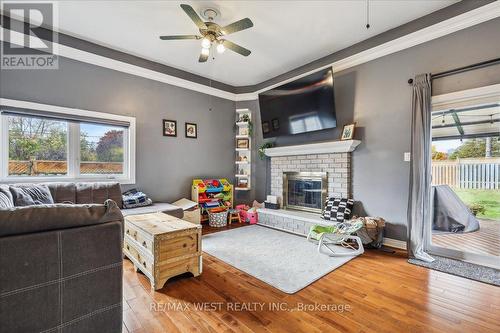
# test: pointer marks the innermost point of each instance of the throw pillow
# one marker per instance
(6, 200)
(134, 198)
(31, 194)
(338, 209)
(147, 202)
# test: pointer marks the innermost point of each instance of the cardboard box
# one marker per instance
(191, 210)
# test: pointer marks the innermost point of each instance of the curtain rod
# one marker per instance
(463, 69)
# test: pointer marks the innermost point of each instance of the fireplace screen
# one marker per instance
(304, 190)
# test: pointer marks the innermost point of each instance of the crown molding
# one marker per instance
(454, 24)
(246, 96)
(109, 63)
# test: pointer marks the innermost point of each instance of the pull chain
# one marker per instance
(210, 96)
(367, 14)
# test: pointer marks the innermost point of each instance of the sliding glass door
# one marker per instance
(465, 222)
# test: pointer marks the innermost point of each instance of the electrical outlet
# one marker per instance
(407, 156)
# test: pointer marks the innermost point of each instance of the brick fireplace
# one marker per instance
(337, 167)
(331, 161)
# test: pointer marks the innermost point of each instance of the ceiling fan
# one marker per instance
(212, 33)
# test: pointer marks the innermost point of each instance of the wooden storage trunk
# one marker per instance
(162, 246)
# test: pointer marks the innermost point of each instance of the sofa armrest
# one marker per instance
(31, 219)
(67, 280)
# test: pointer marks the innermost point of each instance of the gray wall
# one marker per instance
(165, 165)
(377, 97)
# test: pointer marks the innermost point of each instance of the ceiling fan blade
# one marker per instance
(179, 37)
(203, 57)
(193, 16)
(236, 48)
(237, 26)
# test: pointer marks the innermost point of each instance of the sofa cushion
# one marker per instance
(31, 194)
(88, 193)
(6, 200)
(154, 208)
(63, 192)
(29, 219)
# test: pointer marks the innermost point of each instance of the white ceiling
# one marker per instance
(286, 34)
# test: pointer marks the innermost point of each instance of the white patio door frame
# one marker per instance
(459, 99)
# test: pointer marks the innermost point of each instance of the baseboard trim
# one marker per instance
(395, 243)
(389, 242)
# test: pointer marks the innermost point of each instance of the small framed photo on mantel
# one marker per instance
(169, 127)
(348, 132)
(191, 130)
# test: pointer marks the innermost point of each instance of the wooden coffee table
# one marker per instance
(162, 246)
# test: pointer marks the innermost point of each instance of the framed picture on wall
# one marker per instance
(348, 132)
(242, 143)
(191, 130)
(169, 127)
(276, 124)
(265, 127)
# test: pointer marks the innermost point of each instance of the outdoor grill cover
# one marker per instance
(450, 213)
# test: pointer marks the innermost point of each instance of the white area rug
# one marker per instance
(285, 261)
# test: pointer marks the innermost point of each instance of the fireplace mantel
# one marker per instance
(314, 148)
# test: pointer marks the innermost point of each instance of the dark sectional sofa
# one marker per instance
(61, 264)
(83, 193)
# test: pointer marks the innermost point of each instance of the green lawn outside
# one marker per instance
(490, 199)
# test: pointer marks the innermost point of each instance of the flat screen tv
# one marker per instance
(304, 105)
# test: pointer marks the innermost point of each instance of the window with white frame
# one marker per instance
(64, 144)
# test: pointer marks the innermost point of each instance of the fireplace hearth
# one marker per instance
(305, 191)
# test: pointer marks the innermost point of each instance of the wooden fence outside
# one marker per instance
(471, 173)
(54, 168)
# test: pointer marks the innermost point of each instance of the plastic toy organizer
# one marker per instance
(213, 195)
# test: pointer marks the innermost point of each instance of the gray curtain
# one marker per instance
(419, 202)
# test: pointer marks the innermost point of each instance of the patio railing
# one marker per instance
(471, 173)
(54, 168)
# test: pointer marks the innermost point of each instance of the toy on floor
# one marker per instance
(247, 214)
(336, 234)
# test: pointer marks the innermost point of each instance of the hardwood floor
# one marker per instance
(383, 292)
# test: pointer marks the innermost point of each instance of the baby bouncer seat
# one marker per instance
(337, 234)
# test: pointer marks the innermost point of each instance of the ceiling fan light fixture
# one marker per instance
(211, 33)
(221, 48)
(205, 51)
(206, 43)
